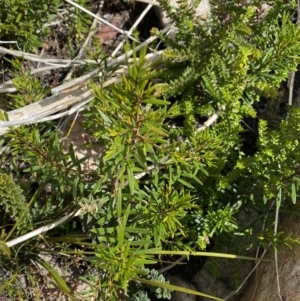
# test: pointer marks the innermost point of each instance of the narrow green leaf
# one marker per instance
(97, 186)
(18, 17)
(140, 242)
(103, 220)
(154, 128)
(3, 116)
(191, 176)
(73, 238)
(208, 254)
(152, 154)
(138, 230)
(140, 159)
(130, 179)
(155, 101)
(125, 217)
(5, 249)
(269, 76)
(148, 251)
(265, 199)
(156, 233)
(103, 231)
(106, 120)
(278, 198)
(56, 277)
(71, 153)
(32, 168)
(81, 187)
(109, 239)
(297, 179)
(268, 54)
(186, 183)
(121, 227)
(112, 153)
(176, 288)
(294, 195)
(74, 189)
(61, 184)
(119, 202)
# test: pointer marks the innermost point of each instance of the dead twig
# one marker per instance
(63, 63)
(211, 120)
(85, 43)
(124, 32)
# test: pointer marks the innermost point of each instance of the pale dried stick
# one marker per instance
(51, 105)
(60, 115)
(275, 233)
(60, 13)
(50, 226)
(110, 63)
(45, 228)
(257, 264)
(35, 117)
(85, 43)
(40, 111)
(290, 85)
(102, 20)
(149, 2)
(79, 107)
(248, 126)
(96, 72)
(42, 229)
(53, 23)
(212, 119)
(251, 272)
(8, 42)
(136, 23)
(71, 127)
(7, 90)
(48, 106)
(172, 265)
(36, 58)
(291, 79)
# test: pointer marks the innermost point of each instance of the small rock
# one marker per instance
(263, 284)
(208, 284)
(178, 296)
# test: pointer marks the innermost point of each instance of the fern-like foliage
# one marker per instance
(231, 63)
(227, 64)
(13, 203)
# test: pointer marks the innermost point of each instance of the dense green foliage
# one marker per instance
(27, 22)
(19, 21)
(166, 180)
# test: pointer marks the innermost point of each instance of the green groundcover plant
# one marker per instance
(169, 181)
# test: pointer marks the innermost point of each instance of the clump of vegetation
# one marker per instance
(173, 175)
(23, 21)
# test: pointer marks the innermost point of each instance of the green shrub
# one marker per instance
(23, 21)
(167, 180)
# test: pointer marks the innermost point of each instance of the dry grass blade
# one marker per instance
(136, 23)
(50, 61)
(71, 94)
(86, 42)
(102, 20)
(48, 106)
(42, 229)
